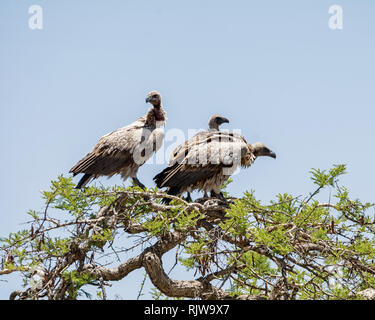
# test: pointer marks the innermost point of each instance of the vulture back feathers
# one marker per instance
(181, 151)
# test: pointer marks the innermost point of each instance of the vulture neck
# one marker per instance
(213, 126)
(155, 116)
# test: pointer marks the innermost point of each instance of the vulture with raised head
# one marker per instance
(207, 160)
(123, 151)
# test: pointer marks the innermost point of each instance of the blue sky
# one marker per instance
(273, 68)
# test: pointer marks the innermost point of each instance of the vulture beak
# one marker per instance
(147, 99)
(272, 154)
(223, 120)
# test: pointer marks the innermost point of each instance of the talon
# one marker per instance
(139, 183)
(219, 196)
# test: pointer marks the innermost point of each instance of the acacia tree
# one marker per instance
(290, 248)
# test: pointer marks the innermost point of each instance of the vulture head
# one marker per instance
(154, 98)
(215, 121)
(259, 149)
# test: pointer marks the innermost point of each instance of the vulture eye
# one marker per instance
(155, 96)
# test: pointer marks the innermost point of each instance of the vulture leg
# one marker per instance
(205, 195)
(219, 196)
(188, 197)
(142, 186)
(139, 183)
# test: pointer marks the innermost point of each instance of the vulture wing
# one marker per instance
(112, 152)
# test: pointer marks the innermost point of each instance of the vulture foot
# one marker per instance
(188, 198)
(142, 186)
(219, 196)
(139, 183)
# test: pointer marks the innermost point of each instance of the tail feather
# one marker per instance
(174, 191)
(161, 178)
(84, 164)
(84, 180)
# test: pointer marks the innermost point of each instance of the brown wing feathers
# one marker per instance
(180, 175)
(94, 165)
(83, 164)
(101, 164)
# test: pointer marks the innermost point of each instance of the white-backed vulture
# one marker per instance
(208, 162)
(124, 150)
